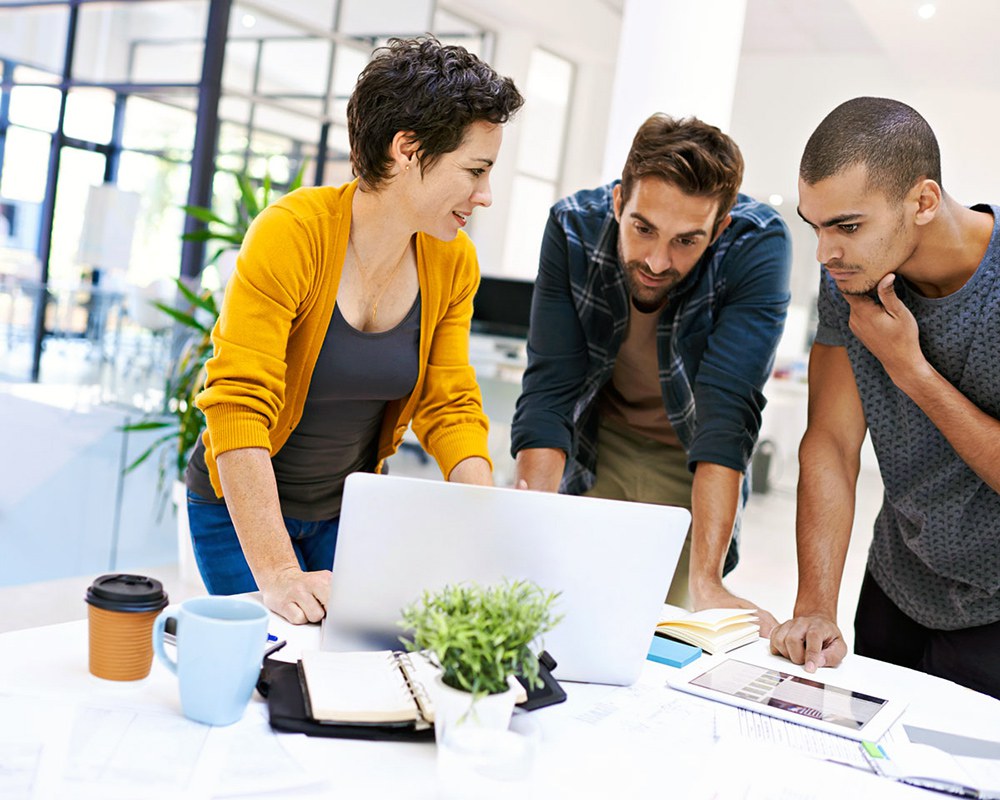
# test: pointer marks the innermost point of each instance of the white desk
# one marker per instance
(579, 758)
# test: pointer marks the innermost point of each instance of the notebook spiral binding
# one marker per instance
(417, 689)
(395, 659)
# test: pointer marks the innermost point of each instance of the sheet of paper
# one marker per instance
(767, 772)
(985, 774)
(52, 749)
(258, 763)
(655, 710)
(753, 727)
(126, 753)
(33, 732)
(953, 743)
(18, 769)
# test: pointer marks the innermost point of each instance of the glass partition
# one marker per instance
(35, 36)
(539, 160)
(543, 125)
(90, 115)
(78, 171)
(161, 41)
(309, 13)
(26, 157)
(379, 18)
(289, 69)
(162, 185)
(34, 103)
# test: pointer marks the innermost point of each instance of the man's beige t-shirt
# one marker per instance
(633, 395)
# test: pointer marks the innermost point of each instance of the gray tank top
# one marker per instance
(355, 376)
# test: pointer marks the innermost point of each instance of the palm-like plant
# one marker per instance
(230, 233)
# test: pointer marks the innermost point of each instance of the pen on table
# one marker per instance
(274, 644)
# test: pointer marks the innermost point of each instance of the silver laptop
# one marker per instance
(612, 560)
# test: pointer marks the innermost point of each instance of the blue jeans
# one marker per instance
(219, 555)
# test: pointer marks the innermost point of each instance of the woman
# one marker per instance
(347, 319)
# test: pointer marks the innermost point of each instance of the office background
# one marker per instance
(114, 114)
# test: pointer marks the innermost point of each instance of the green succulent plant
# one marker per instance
(479, 636)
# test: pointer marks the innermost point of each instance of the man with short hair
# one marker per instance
(659, 302)
(907, 349)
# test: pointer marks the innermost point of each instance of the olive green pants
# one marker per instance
(633, 467)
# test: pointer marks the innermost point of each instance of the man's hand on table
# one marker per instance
(812, 640)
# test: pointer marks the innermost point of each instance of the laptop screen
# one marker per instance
(612, 562)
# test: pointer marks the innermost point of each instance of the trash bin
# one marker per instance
(760, 470)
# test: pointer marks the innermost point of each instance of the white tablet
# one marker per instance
(795, 699)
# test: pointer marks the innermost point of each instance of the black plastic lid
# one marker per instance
(127, 593)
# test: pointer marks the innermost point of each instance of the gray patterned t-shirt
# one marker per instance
(936, 547)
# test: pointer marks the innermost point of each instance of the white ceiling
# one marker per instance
(957, 45)
(802, 57)
(805, 27)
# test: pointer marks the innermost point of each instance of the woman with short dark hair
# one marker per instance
(347, 320)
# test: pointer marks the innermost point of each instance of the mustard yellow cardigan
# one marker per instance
(277, 306)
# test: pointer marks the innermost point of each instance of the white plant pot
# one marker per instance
(455, 709)
(478, 754)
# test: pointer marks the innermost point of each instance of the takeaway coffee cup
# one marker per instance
(121, 610)
(220, 647)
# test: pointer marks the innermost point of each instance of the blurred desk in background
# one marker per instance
(73, 312)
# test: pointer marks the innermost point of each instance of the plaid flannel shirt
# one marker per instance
(716, 337)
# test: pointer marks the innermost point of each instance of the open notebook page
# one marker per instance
(356, 687)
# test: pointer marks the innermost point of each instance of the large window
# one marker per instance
(539, 160)
(120, 120)
(156, 41)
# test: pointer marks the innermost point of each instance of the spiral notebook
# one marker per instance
(380, 687)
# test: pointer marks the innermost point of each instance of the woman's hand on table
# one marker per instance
(297, 596)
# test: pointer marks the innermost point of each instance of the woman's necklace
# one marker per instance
(363, 272)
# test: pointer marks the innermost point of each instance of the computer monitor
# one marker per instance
(502, 307)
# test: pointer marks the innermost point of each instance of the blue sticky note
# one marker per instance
(671, 652)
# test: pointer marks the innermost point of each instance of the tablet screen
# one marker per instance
(802, 696)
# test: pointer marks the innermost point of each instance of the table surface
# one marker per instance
(604, 740)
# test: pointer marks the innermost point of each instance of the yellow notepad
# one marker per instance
(714, 630)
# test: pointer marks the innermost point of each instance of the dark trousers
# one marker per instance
(969, 656)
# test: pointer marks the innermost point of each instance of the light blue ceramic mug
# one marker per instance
(220, 647)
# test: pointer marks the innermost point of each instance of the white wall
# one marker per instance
(660, 70)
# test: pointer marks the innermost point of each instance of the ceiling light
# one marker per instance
(776, 199)
(926, 11)
(249, 20)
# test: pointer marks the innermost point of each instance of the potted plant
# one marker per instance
(479, 637)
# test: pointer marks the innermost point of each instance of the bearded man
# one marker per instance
(659, 303)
